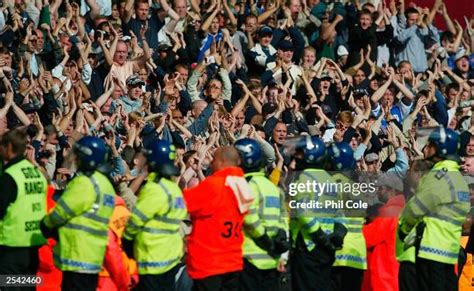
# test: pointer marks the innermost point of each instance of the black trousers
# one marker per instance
(311, 270)
(161, 282)
(18, 261)
(222, 282)
(73, 281)
(346, 279)
(253, 278)
(407, 280)
(435, 276)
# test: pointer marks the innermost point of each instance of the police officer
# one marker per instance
(152, 232)
(265, 226)
(22, 206)
(406, 256)
(81, 218)
(351, 260)
(316, 234)
(437, 212)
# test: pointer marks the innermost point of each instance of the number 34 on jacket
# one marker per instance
(217, 206)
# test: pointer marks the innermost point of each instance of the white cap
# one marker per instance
(390, 180)
(342, 51)
(461, 53)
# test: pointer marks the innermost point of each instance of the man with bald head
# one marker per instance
(225, 157)
(217, 206)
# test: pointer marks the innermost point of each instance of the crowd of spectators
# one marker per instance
(203, 74)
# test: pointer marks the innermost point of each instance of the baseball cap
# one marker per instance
(265, 30)
(372, 157)
(342, 51)
(134, 80)
(285, 45)
(461, 54)
(325, 75)
(390, 181)
(360, 93)
(95, 50)
(163, 47)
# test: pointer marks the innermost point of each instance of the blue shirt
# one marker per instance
(206, 44)
(414, 48)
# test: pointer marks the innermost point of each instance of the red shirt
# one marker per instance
(52, 276)
(215, 243)
(382, 271)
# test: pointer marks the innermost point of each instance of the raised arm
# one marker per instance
(128, 11)
(170, 11)
(20, 114)
(104, 97)
(195, 6)
(207, 23)
(181, 128)
(458, 79)
(77, 16)
(240, 106)
(95, 9)
(229, 13)
(381, 90)
(330, 29)
(352, 70)
(109, 59)
(53, 8)
(8, 104)
(265, 15)
(141, 61)
(432, 14)
(405, 91)
(459, 32)
(447, 19)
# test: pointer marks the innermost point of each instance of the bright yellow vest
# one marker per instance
(354, 251)
(450, 193)
(20, 226)
(84, 237)
(408, 255)
(309, 221)
(158, 244)
(267, 210)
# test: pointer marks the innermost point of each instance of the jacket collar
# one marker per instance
(13, 161)
(254, 174)
(448, 165)
(229, 171)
